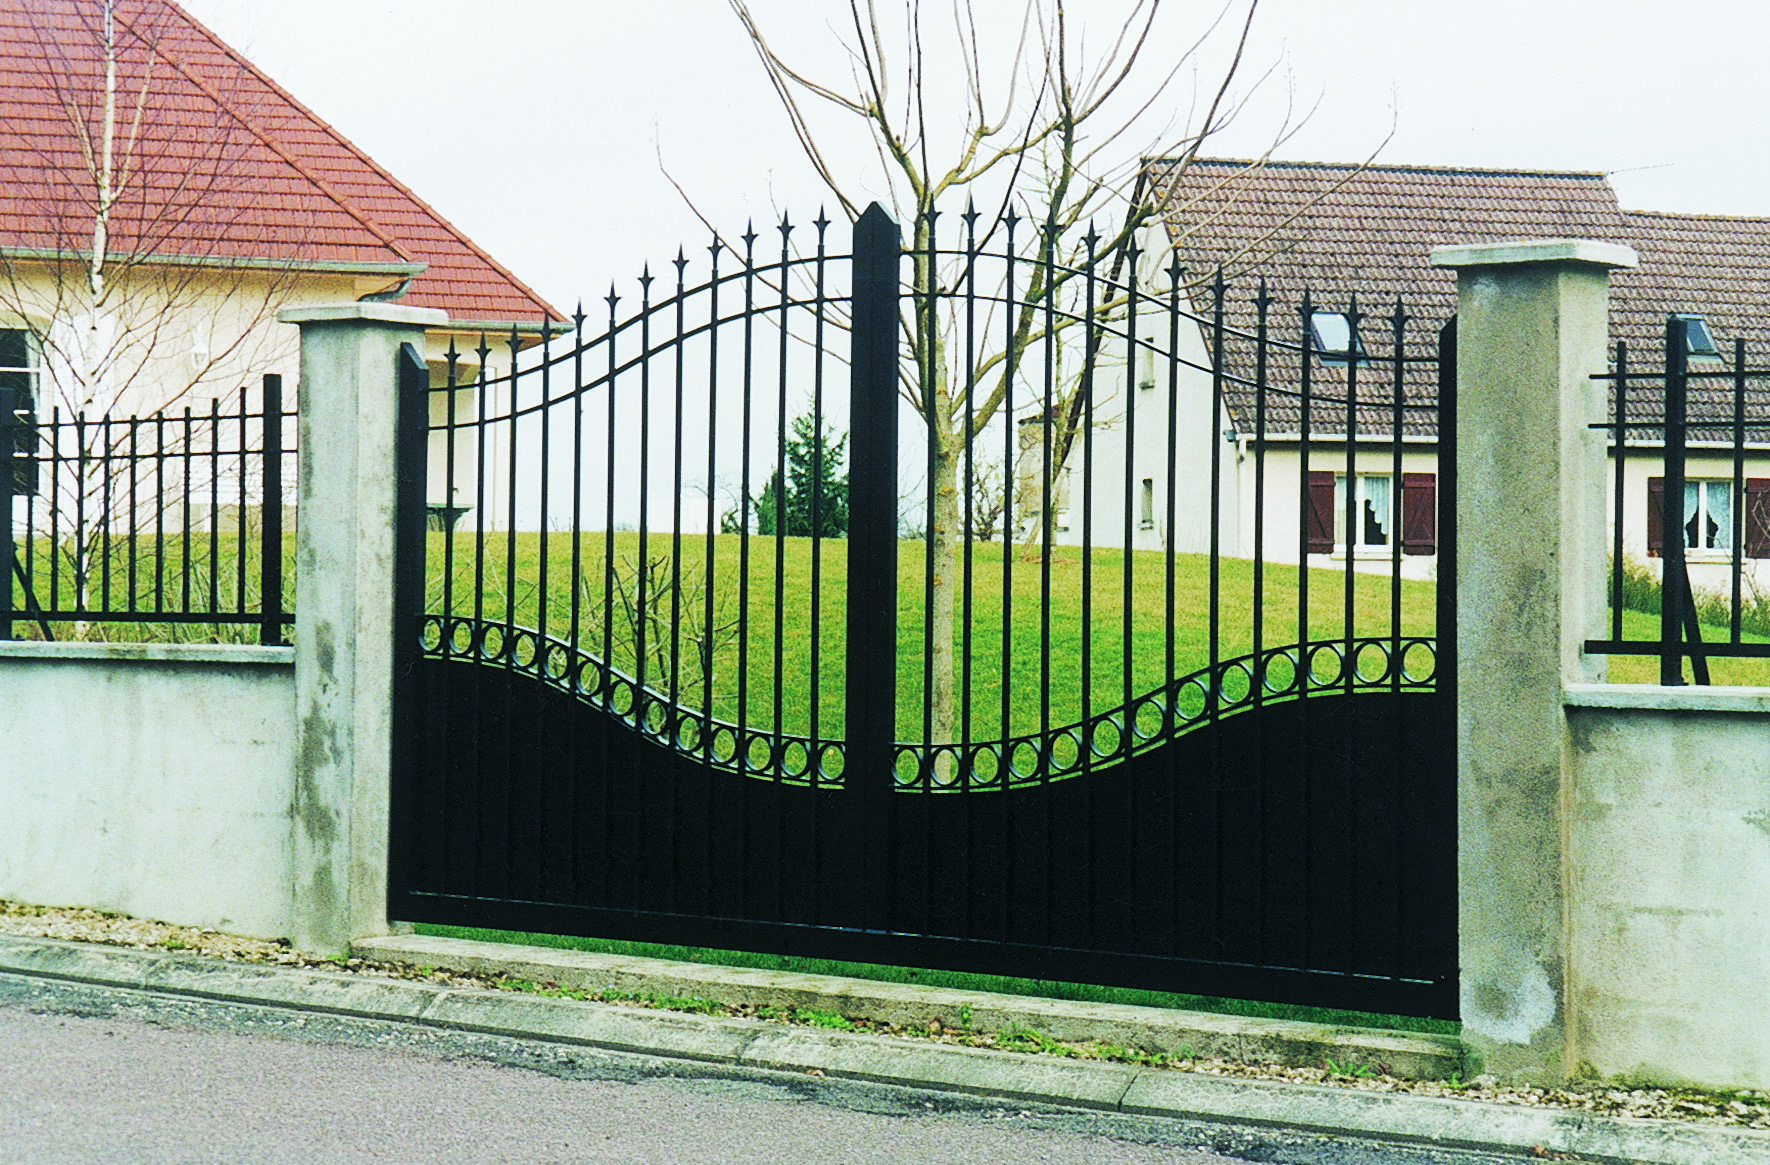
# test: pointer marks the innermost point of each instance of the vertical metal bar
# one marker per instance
(680, 358)
(1171, 697)
(970, 442)
(818, 516)
(1305, 656)
(134, 458)
(1738, 499)
(872, 549)
(1621, 449)
(184, 525)
(214, 511)
(928, 282)
(1349, 664)
(1673, 581)
(511, 621)
(642, 575)
(606, 690)
(1127, 688)
(451, 383)
(240, 551)
(8, 446)
(1262, 307)
(1398, 323)
(480, 513)
(270, 563)
(746, 428)
(1090, 320)
(411, 439)
(55, 465)
(1214, 682)
(577, 581)
(1047, 517)
(544, 526)
(159, 513)
(106, 518)
(781, 518)
(1011, 366)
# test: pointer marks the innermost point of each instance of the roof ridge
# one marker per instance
(344, 142)
(1393, 167)
(1695, 217)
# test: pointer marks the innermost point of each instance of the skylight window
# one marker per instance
(1330, 335)
(1699, 342)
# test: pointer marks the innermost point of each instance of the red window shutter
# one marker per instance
(1419, 513)
(1757, 517)
(1321, 511)
(1656, 500)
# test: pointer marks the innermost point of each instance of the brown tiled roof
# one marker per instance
(227, 166)
(1343, 231)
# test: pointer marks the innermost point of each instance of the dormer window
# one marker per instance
(1331, 338)
(1699, 342)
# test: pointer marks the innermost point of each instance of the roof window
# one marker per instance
(1331, 338)
(1699, 342)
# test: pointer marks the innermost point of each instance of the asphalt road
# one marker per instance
(93, 1074)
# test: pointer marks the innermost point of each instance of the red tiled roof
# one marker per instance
(225, 166)
(1342, 230)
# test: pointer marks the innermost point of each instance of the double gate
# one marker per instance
(1007, 602)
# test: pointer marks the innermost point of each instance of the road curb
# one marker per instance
(759, 1045)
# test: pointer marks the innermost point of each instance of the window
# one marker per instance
(1699, 342)
(1331, 338)
(1375, 512)
(18, 364)
(1148, 516)
(1708, 516)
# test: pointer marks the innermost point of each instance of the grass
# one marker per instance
(956, 980)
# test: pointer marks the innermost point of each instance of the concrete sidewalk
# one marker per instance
(754, 1044)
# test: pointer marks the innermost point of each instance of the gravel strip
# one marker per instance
(1745, 1110)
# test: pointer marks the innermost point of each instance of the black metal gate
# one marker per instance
(1128, 664)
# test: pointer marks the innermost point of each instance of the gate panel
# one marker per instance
(1196, 738)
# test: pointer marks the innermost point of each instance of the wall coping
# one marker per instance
(365, 312)
(1655, 697)
(1567, 252)
(234, 653)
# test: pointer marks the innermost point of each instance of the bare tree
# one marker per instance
(1060, 135)
(144, 273)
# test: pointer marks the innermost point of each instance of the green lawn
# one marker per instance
(801, 640)
(154, 574)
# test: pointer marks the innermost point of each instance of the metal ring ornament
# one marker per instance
(1426, 647)
(1314, 652)
(829, 773)
(1358, 658)
(1279, 655)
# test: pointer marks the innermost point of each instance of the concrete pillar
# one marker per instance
(1532, 328)
(343, 628)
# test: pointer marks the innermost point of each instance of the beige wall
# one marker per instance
(1668, 877)
(155, 780)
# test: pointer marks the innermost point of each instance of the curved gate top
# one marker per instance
(991, 598)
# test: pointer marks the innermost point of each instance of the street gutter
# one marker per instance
(759, 1045)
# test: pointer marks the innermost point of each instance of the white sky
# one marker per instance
(538, 130)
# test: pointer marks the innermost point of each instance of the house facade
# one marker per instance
(146, 251)
(1358, 239)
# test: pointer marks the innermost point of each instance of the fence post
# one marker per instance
(344, 638)
(270, 564)
(1532, 330)
(8, 462)
(871, 718)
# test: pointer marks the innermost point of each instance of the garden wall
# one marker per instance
(1668, 872)
(152, 779)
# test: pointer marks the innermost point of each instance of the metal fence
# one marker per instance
(1128, 663)
(1697, 406)
(168, 526)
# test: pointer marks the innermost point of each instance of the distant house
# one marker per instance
(1341, 231)
(228, 201)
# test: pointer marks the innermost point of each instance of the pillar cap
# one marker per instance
(366, 311)
(1563, 252)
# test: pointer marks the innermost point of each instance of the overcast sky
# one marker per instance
(540, 131)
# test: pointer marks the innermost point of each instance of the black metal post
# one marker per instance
(8, 458)
(1673, 579)
(411, 442)
(872, 544)
(270, 560)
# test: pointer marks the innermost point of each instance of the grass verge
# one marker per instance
(953, 980)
